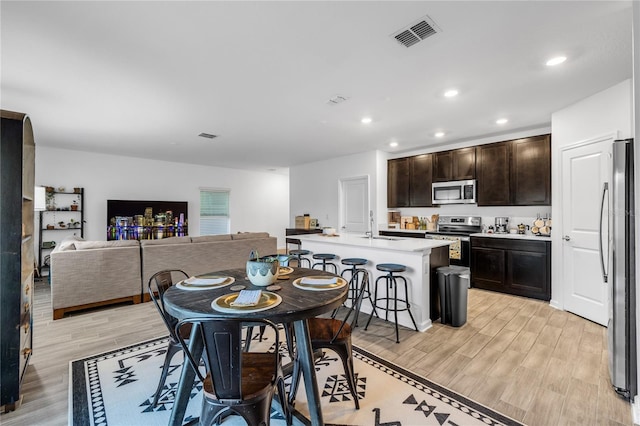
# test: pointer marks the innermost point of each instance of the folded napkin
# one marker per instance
(247, 298)
(319, 281)
(205, 281)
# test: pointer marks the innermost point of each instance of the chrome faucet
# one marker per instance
(369, 233)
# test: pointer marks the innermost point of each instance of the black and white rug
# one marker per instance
(116, 388)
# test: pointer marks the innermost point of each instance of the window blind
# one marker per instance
(214, 212)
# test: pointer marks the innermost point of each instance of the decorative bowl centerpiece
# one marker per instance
(262, 271)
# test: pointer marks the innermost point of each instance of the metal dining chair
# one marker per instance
(330, 333)
(236, 382)
(158, 284)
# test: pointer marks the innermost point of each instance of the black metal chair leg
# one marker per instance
(172, 349)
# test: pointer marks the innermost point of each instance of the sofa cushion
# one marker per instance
(69, 243)
(209, 238)
(249, 235)
(89, 245)
(165, 241)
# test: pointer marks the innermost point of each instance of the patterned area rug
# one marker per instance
(116, 388)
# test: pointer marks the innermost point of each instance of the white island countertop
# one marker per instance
(383, 243)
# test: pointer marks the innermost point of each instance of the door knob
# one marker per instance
(566, 238)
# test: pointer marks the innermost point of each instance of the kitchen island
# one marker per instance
(420, 256)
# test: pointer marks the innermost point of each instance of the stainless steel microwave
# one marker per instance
(454, 192)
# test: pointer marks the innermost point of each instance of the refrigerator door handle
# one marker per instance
(605, 275)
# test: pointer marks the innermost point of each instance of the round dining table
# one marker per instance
(297, 305)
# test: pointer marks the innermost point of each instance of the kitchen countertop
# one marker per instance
(513, 236)
(395, 243)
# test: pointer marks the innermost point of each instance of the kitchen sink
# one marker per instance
(383, 238)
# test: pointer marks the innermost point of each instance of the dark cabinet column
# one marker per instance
(493, 174)
(531, 171)
(457, 164)
(398, 182)
(420, 179)
(464, 163)
(488, 266)
(443, 166)
(527, 273)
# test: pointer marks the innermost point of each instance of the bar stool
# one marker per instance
(325, 260)
(298, 255)
(390, 279)
(357, 275)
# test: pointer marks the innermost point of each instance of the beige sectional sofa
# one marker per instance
(86, 274)
(197, 255)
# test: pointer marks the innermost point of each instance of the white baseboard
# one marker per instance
(554, 304)
(635, 410)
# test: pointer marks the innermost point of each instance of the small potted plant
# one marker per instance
(74, 206)
(262, 271)
(50, 198)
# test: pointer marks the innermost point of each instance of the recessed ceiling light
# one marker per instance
(393, 144)
(438, 134)
(451, 93)
(366, 120)
(501, 121)
(556, 61)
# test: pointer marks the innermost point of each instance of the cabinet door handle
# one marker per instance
(566, 238)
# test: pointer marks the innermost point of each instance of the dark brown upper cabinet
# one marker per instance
(420, 179)
(457, 164)
(516, 172)
(531, 171)
(492, 169)
(398, 182)
(409, 181)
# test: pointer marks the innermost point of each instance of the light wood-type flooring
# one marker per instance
(518, 356)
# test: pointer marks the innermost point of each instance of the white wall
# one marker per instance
(600, 114)
(258, 201)
(313, 187)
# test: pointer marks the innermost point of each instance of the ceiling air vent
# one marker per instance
(207, 135)
(337, 99)
(416, 32)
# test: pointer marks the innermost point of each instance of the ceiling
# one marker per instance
(144, 79)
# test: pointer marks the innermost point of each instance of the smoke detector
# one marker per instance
(416, 32)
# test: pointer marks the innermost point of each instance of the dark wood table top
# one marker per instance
(296, 303)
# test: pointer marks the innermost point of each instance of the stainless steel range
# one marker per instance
(457, 229)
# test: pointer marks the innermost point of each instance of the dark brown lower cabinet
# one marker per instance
(513, 266)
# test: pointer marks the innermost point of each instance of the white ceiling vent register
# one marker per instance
(416, 32)
(207, 135)
(337, 99)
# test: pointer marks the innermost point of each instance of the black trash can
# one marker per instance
(453, 284)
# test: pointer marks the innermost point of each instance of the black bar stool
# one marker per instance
(298, 255)
(325, 260)
(390, 279)
(357, 275)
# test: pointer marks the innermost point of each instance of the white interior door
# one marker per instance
(354, 204)
(585, 169)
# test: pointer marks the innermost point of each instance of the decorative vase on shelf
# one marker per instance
(262, 271)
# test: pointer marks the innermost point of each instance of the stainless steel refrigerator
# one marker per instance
(618, 265)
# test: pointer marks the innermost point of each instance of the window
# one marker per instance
(214, 212)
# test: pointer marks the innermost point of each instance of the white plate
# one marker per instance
(208, 283)
(268, 300)
(318, 285)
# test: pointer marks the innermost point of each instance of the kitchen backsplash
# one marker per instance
(516, 214)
